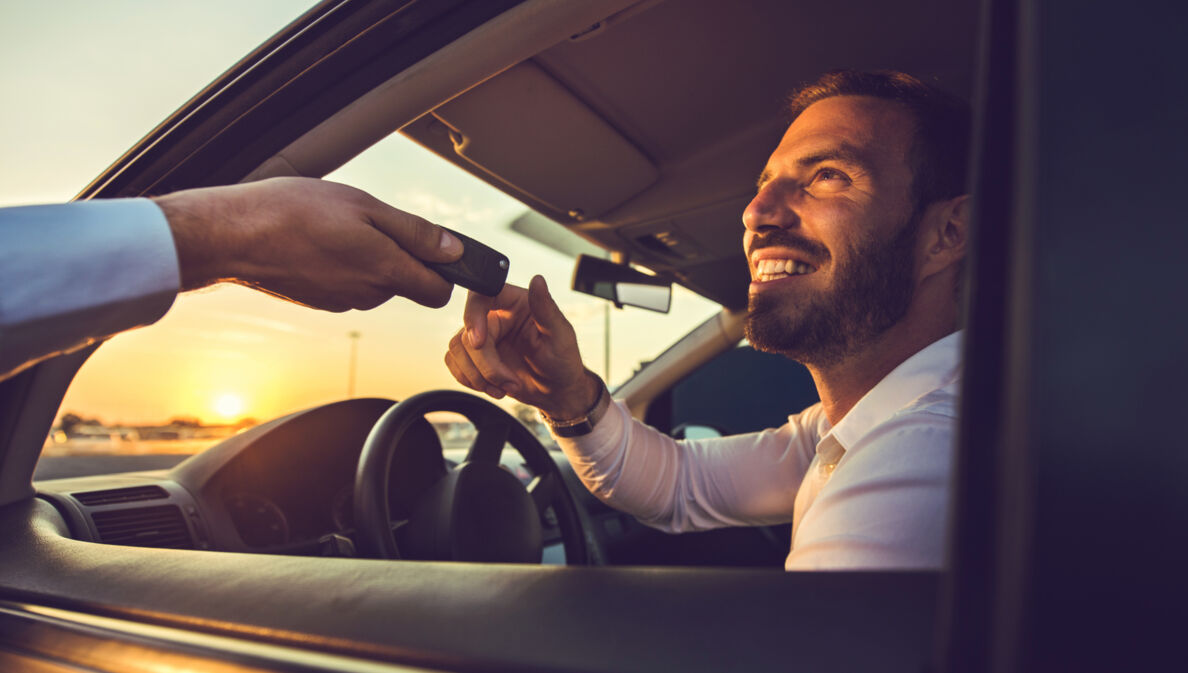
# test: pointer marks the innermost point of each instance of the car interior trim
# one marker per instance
(470, 60)
(720, 332)
(531, 146)
(101, 643)
(30, 402)
(363, 604)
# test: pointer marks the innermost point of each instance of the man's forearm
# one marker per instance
(690, 485)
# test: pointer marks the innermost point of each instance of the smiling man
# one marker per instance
(855, 240)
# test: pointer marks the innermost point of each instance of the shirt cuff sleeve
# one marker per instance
(76, 273)
(600, 445)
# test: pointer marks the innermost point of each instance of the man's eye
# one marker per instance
(829, 174)
(828, 180)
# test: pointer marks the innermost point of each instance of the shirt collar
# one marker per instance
(933, 367)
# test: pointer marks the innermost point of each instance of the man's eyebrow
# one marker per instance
(763, 178)
(844, 152)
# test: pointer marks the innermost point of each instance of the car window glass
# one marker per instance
(765, 389)
(226, 358)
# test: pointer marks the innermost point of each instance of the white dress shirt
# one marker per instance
(75, 273)
(871, 492)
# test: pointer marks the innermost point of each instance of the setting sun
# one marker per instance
(228, 406)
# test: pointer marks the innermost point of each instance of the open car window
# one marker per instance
(227, 358)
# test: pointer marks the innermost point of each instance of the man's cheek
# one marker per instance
(746, 247)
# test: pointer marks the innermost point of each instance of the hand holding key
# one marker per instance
(519, 343)
(321, 244)
(481, 269)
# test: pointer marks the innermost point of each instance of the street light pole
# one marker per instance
(353, 335)
(606, 342)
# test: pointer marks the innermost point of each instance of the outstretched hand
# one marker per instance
(316, 243)
(519, 344)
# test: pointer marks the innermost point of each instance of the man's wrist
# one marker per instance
(574, 401)
(206, 224)
(581, 423)
(184, 214)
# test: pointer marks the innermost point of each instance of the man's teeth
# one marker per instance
(771, 269)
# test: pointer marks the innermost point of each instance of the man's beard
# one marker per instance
(871, 292)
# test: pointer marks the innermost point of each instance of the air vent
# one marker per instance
(114, 495)
(144, 527)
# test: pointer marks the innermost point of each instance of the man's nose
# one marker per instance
(770, 209)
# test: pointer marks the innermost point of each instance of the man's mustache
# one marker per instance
(815, 251)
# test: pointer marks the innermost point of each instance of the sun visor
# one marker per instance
(525, 129)
(703, 233)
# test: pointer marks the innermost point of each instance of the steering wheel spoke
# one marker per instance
(543, 489)
(488, 443)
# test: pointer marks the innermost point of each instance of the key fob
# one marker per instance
(481, 268)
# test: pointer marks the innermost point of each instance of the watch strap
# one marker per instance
(584, 424)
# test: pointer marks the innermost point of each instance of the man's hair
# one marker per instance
(940, 151)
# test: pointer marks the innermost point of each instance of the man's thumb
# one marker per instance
(417, 236)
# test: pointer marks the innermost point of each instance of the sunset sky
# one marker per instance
(83, 81)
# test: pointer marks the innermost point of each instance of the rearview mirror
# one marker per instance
(621, 284)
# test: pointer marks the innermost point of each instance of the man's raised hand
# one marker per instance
(518, 343)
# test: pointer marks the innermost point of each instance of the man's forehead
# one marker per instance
(868, 127)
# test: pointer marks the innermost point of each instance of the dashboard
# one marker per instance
(284, 487)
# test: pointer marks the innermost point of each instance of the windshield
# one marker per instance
(226, 358)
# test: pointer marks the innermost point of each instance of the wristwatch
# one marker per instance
(584, 424)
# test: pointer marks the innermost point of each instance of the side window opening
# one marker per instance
(741, 390)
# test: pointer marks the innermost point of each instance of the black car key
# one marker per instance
(481, 268)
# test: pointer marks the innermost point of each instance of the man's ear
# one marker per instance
(944, 234)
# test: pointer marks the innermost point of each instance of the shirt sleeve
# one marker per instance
(691, 485)
(76, 273)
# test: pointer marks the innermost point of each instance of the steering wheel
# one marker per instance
(478, 511)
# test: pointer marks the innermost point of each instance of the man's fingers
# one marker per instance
(463, 369)
(489, 360)
(474, 318)
(422, 239)
(478, 307)
(413, 237)
(483, 368)
(489, 373)
(545, 311)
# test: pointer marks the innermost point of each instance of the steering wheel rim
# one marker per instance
(494, 428)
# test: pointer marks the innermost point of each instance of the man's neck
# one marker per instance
(841, 385)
